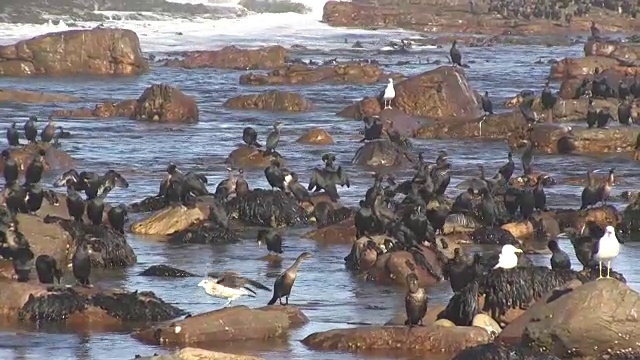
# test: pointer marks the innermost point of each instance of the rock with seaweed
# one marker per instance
(497, 351)
(166, 271)
(148, 204)
(269, 208)
(205, 232)
(630, 224)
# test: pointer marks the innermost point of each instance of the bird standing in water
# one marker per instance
(606, 249)
(284, 282)
(389, 94)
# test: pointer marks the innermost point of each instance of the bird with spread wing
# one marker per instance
(229, 285)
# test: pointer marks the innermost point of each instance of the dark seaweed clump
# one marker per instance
(205, 232)
(60, 303)
(268, 208)
(166, 271)
(492, 236)
(494, 351)
(335, 216)
(149, 204)
(110, 248)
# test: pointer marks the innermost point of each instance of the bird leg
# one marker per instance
(280, 301)
(286, 300)
(609, 269)
(480, 125)
(228, 303)
(600, 267)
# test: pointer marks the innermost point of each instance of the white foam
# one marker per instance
(159, 33)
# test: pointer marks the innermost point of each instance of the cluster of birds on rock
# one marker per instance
(567, 9)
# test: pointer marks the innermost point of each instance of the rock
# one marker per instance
(273, 100)
(54, 159)
(99, 51)
(316, 136)
(238, 323)
(557, 139)
(428, 318)
(164, 103)
(45, 239)
(80, 307)
(486, 322)
(190, 353)
(444, 323)
(631, 218)
(495, 351)
(349, 73)
(109, 109)
(393, 267)
(576, 320)
(381, 152)
(440, 93)
(494, 127)
(33, 97)
(416, 340)
(572, 68)
(627, 53)
(284, 6)
(166, 271)
(343, 232)
(232, 57)
(168, 221)
(250, 157)
(269, 208)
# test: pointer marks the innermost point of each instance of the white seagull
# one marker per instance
(508, 258)
(606, 249)
(230, 286)
(389, 94)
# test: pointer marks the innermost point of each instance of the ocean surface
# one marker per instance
(329, 295)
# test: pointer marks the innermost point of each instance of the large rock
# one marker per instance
(33, 97)
(417, 340)
(626, 53)
(393, 267)
(554, 139)
(238, 323)
(594, 319)
(168, 221)
(98, 51)
(190, 353)
(164, 103)
(109, 109)
(316, 136)
(54, 159)
(250, 157)
(273, 100)
(45, 239)
(382, 152)
(494, 127)
(350, 73)
(232, 57)
(440, 93)
(571, 68)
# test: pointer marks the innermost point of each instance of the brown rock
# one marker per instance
(190, 353)
(416, 340)
(396, 120)
(495, 127)
(104, 110)
(54, 159)
(554, 139)
(316, 136)
(238, 323)
(628, 53)
(232, 57)
(45, 239)
(350, 73)
(249, 157)
(164, 103)
(271, 101)
(96, 52)
(393, 267)
(440, 93)
(368, 106)
(572, 68)
(343, 232)
(429, 318)
(168, 221)
(381, 152)
(576, 320)
(33, 97)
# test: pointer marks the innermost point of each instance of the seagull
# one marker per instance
(230, 286)
(389, 94)
(508, 258)
(606, 249)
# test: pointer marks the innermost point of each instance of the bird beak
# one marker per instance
(201, 283)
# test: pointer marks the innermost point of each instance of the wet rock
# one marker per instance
(440, 93)
(558, 139)
(316, 136)
(492, 236)
(571, 324)
(164, 103)
(277, 7)
(573, 68)
(521, 230)
(381, 152)
(343, 232)
(81, 307)
(250, 157)
(33, 97)
(460, 223)
(269, 208)
(204, 232)
(429, 318)
(166, 271)
(168, 221)
(45, 239)
(416, 340)
(238, 323)
(631, 218)
(485, 321)
(273, 100)
(99, 51)
(444, 323)
(54, 159)
(393, 267)
(626, 53)
(602, 215)
(297, 74)
(232, 57)
(494, 127)
(497, 351)
(109, 109)
(190, 353)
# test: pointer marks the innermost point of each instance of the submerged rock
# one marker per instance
(33, 97)
(497, 351)
(272, 100)
(232, 57)
(204, 232)
(267, 208)
(350, 73)
(164, 103)
(316, 136)
(343, 232)
(166, 271)
(238, 323)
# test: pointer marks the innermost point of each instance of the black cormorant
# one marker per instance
(81, 264)
(33, 173)
(283, 284)
(117, 217)
(272, 239)
(30, 130)
(416, 301)
(11, 170)
(559, 259)
(487, 105)
(250, 137)
(47, 269)
(454, 53)
(274, 138)
(13, 136)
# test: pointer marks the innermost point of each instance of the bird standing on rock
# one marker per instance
(606, 249)
(454, 53)
(508, 258)
(13, 136)
(272, 239)
(250, 137)
(389, 94)
(30, 130)
(274, 138)
(559, 259)
(487, 105)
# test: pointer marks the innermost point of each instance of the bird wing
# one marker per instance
(233, 280)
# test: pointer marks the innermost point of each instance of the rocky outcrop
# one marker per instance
(429, 339)
(572, 68)
(570, 324)
(349, 73)
(54, 159)
(91, 52)
(190, 353)
(33, 97)
(627, 54)
(232, 57)
(316, 136)
(558, 139)
(45, 239)
(493, 127)
(164, 103)
(168, 221)
(238, 323)
(109, 109)
(250, 157)
(440, 93)
(622, 58)
(271, 101)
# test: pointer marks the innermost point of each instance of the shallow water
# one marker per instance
(329, 295)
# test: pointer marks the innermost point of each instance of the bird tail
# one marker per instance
(250, 291)
(273, 299)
